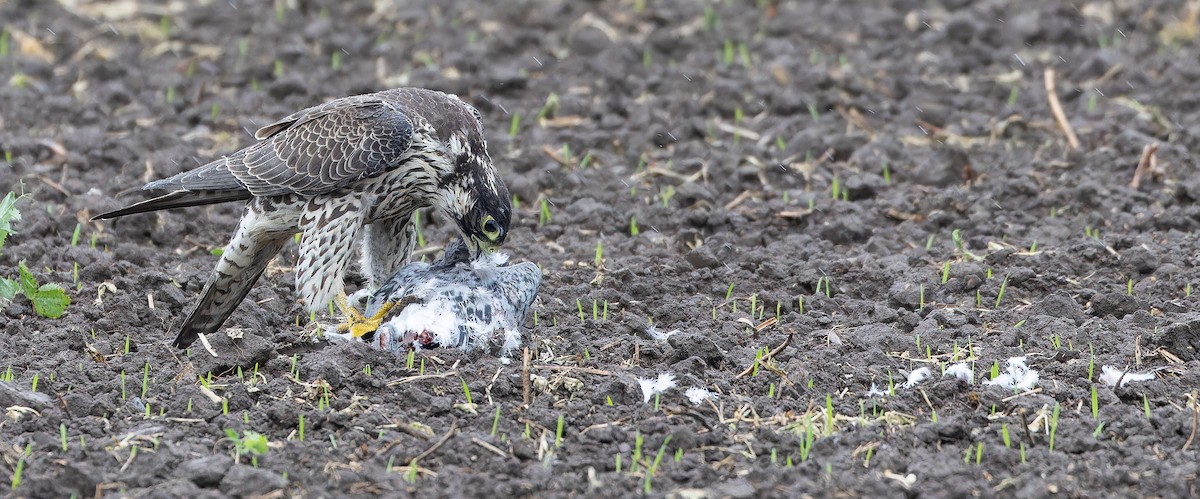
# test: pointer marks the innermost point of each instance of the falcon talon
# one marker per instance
(353, 170)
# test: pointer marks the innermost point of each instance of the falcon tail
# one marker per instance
(177, 199)
(239, 268)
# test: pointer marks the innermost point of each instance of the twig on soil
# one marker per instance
(1137, 351)
(555, 156)
(421, 377)
(1147, 163)
(737, 131)
(495, 450)
(1195, 419)
(53, 185)
(738, 200)
(442, 441)
(585, 370)
(1057, 110)
(597, 426)
(1025, 427)
(767, 357)
(927, 402)
(1010, 398)
(525, 377)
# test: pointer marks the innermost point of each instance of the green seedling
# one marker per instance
(956, 235)
(558, 432)
(466, 390)
(1003, 286)
(249, 442)
(1095, 404)
(544, 213)
(1053, 425)
(145, 380)
(20, 467)
(49, 300)
(806, 443)
(514, 125)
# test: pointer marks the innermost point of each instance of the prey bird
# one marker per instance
(351, 171)
(456, 302)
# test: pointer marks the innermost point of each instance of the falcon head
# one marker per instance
(479, 202)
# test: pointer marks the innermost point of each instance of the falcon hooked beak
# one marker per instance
(479, 204)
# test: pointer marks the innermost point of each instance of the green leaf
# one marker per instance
(255, 442)
(8, 215)
(8, 289)
(50, 301)
(27, 282)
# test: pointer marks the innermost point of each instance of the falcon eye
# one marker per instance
(490, 228)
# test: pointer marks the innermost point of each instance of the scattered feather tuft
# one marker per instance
(961, 371)
(1111, 376)
(698, 395)
(652, 387)
(1016, 375)
(917, 377)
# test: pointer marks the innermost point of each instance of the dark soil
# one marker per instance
(794, 160)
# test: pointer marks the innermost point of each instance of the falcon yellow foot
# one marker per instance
(357, 324)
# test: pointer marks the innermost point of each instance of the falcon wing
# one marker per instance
(316, 151)
(324, 149)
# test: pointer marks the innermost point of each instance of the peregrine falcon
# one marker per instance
(355, 169)
(455, 303)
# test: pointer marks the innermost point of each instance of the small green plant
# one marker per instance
(558, 432)
(514, 126)
(806, 443)
(1003, 286)
(666, 194)
(1091, 363)
(1095, 404)
(20, 468)
(49, 300)
(544, 213)
(249, 442)
(145, 380)
(1053, 425)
